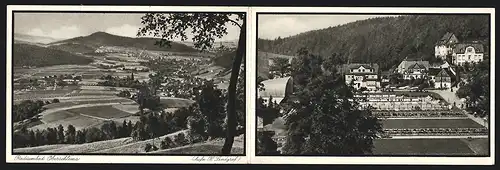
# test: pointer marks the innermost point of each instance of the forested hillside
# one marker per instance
(385, 40)
(31, 55)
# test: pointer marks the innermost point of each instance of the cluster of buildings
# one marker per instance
(442, 75)
(460, 52)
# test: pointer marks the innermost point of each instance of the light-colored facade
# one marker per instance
(444, 46)
(362, 75)
(413, 69)
(467, 53)
(401, 102)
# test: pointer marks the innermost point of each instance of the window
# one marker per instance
(469, 57)
(469, 49)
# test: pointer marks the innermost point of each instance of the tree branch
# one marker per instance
(237, 24)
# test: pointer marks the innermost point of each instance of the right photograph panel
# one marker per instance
(371, 84)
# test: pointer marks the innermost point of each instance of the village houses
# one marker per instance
(444, 46)
(416, 69)
(467, 53)
(362, 75)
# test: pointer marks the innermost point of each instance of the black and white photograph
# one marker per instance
(128, 83)
(368, 84)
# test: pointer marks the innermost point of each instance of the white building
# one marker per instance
(444, 46)
(362, 75)
(442, 78)
(467, 53)
(413, 69)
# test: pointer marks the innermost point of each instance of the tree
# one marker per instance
(60, 134)
(109, 129)
(281, 66)
(477, 90)
(147, 99)
(265, 144)
(70, 134)
(328, 120)
(206, 27)
(180, 139)
(211, 103)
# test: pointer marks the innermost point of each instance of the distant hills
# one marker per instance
(99, 39)
(32, 55)
(384, 40)
(33, 39)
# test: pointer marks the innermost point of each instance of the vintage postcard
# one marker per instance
(374, 85)
(124, 84)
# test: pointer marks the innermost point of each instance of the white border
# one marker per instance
(377, 159)
(129, 158)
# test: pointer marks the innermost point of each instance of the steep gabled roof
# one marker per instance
(434, 71)
(407, 63)
(417, 66)
(460, 48)
(445, 39)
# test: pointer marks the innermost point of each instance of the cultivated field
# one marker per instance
(429, 123)
(78, 121)
(39, 149)
(103, 112)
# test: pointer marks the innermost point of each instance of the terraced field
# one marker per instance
(74, 103)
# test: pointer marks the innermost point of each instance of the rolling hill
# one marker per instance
(99, 39)
(24, 38)
(383, 40)
(32, 55)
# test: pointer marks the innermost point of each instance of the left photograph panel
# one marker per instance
(167, 83)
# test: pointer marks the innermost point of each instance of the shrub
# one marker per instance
(195, 138)
(154, 148)
(148, 147)
(169, 143)
(180, 139)
(55, 101)
(163, 145)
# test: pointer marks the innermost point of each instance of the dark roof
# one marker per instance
(445, 39)
(407, 63)
(373, 66)
(460, 48)
(417, 66)
(434, 71)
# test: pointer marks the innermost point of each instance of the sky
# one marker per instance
(70, 25)
(271, 26)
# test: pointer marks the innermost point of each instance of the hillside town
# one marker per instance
(415, 90)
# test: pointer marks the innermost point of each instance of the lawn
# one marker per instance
(429, 123)
(421, 147)
(106, 112)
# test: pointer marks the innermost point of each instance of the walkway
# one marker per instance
(452, 98)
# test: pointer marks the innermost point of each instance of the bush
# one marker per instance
(55, 101)
(148, 147)
(154, 148)
(195, 138)
(180, 139)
